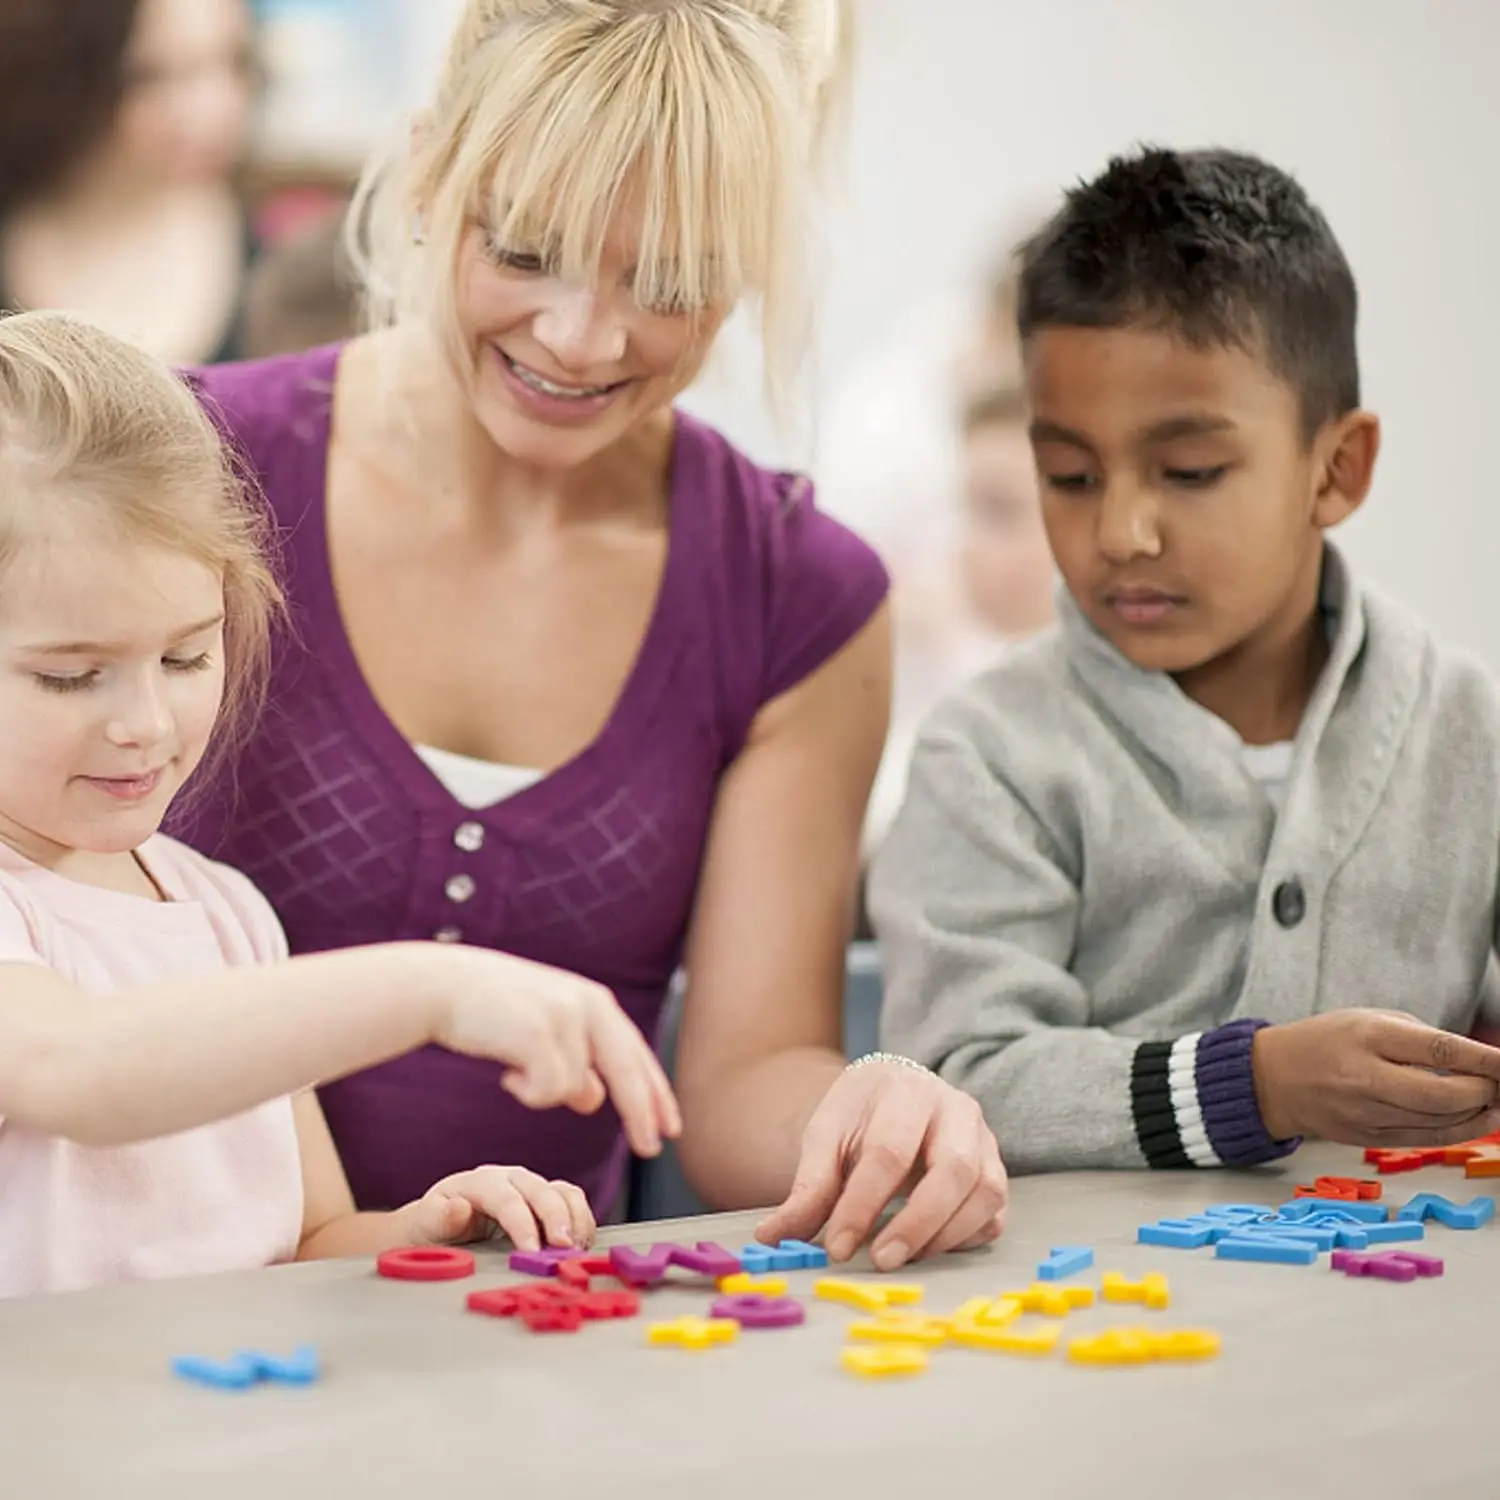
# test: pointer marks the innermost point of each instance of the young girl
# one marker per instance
(151, 1025)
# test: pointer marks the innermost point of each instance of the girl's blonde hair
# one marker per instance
(707, 115)
(94, 430)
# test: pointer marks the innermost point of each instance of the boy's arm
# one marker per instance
(977, 921)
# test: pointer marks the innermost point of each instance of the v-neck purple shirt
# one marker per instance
(352, 838)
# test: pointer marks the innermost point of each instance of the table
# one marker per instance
(1324, 1382)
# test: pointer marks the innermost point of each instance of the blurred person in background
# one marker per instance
(901, 464)
(1008, 575)
(302, 292)
(122, 124)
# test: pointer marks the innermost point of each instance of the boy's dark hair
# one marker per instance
(1217, 247)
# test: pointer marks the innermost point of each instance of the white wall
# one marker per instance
(1389, 112)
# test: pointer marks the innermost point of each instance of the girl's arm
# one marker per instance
(168, 1057)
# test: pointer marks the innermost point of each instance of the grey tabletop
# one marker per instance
(1377, 1389)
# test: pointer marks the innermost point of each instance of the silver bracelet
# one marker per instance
(889, 1057)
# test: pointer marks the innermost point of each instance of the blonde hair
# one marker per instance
(90, 424)
(710, 115)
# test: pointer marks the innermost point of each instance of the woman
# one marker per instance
(121, 124)
(574, 678)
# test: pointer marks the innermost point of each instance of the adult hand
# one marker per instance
(529, 1210)
(1374, 1078)
(885, 1128)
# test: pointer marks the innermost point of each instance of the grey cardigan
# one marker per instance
(1087, 906)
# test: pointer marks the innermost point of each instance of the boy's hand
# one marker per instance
(527, 1209)
(1374, 1078)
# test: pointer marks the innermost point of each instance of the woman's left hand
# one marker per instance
(883, 1129)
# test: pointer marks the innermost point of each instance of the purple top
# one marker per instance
(594, 868)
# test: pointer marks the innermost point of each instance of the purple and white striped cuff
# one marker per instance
(1193, 1101)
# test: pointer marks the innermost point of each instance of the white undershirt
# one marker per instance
(476, 783)
(483, 783)
(1270, 765)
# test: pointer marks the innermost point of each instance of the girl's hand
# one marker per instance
(564, 1040)
(527, 1209)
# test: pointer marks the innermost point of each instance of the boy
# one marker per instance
(1147, 865)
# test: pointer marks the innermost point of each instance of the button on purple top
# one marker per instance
(354, 840)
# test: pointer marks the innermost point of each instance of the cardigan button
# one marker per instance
(1289, 902)
(459, 887)
(448, 935)
(469, 837)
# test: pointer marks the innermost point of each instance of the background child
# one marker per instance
(1000, 587)
(1007, 566)
(896, 463)
(301, 293)
(1146, 863)
(151, 1028)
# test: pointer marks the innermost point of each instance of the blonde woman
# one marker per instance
(573, 678)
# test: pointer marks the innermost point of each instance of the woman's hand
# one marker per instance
(884, 1128)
